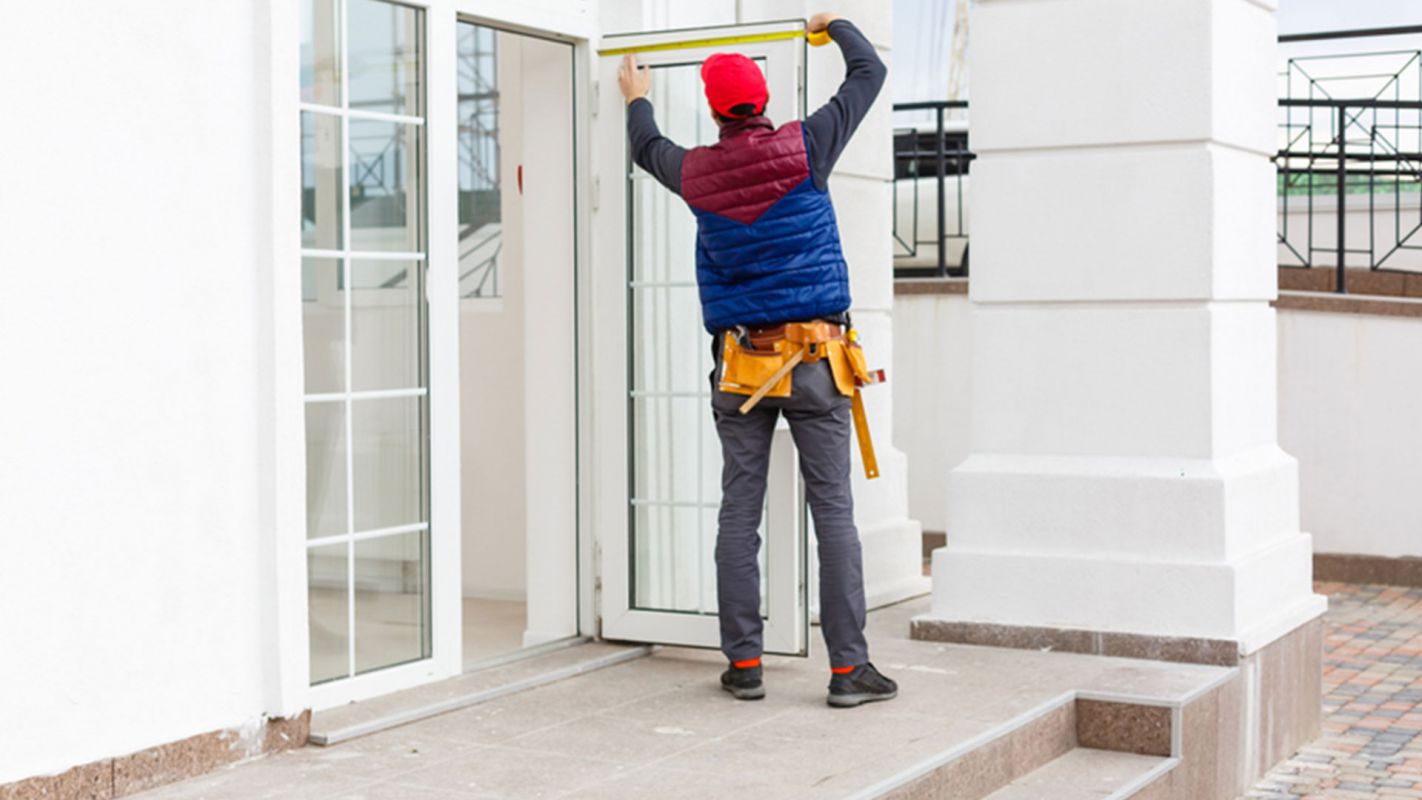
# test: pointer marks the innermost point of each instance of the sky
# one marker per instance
(923, 34)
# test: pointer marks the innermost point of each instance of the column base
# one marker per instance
(1271, 708)
(1252, 599)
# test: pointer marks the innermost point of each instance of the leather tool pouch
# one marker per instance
(744, 370)
(849, 366)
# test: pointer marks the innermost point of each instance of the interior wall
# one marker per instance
(549, 332)
(491, 354)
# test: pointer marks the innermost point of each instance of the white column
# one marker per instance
(1124, 473)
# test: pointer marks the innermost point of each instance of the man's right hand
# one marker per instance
(820, 21)
(633, 81)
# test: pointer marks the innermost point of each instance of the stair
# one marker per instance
(1088, 774)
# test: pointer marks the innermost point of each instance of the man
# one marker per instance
(768, 258)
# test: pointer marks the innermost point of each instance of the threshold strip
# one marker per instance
(475, 698)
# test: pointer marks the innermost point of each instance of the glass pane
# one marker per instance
(325, 469)
(327, 610)
(384, 41)
(389, 462)
(385, 185)
(480, 213)
(323, 325)
(676, 455)
(387, 310)
(320, 53)
(391, 601)
(320, 181)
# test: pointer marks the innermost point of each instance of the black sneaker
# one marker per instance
(743, 682)
(864, 685)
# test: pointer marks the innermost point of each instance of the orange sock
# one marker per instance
(841, 670)
(747, 664)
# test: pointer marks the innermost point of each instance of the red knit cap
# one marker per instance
(734, 85)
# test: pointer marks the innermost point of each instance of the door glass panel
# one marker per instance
(325, 469)
(388, 439)
(387, 316)
(391, 600)
(320, 181)
(364, 337)
(328, 606)
(323, 322)
(320, 53)
(480, 202)
(386, 193)
(676, 454)
(384, 39)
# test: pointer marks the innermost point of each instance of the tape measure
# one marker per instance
(816, 39)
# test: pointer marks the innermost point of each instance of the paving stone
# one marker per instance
(1372, 684)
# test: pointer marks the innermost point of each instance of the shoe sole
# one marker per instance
(852, 700)
(742, 693)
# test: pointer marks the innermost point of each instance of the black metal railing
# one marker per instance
(1349, 168)
(1351, 132)
(938, 155)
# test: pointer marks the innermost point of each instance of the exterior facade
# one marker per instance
(396, 363)
(372, 334)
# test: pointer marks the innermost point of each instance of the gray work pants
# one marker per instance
(819, 418)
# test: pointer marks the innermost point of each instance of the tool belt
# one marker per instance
(760, 362)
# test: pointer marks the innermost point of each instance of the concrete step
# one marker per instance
(1088, 774)
(342, 723)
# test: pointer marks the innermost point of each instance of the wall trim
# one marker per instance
(166, 763)
(1349, 304)
(1365, 286)
(1184, 650)
(1358, 568)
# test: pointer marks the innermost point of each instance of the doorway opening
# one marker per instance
(518, 341)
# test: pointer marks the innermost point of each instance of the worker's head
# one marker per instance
(735, 87)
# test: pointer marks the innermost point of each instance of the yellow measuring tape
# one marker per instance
(817, 39)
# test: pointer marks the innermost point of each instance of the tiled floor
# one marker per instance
(492, 628)
(659, 726)
(1372, 683)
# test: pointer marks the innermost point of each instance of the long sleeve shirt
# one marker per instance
(827, 130)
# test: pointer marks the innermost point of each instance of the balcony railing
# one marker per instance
(933, 158)
(1349, 168)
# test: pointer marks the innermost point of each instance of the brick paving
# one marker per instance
(1372, 702)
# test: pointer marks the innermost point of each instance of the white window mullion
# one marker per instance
(365, 255)
(346, 278)
(381, 116)
(369, 394)
(377, 533)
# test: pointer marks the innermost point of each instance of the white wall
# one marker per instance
(135, 251)
(491, 354)
(932, 386)
(1348, 403)
(1350, 395)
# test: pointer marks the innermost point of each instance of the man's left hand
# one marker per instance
(634, 81)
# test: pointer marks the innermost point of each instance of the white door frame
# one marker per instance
(781, 44)
(442, 294)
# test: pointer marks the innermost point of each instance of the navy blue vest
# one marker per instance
(767, 244)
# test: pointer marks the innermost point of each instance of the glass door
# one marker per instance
(658, 565)
(364, 326)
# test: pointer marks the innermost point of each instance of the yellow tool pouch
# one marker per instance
(747, 371)
(743, 370)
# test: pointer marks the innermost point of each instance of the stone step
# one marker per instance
(342, 723)
(1088, 774)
